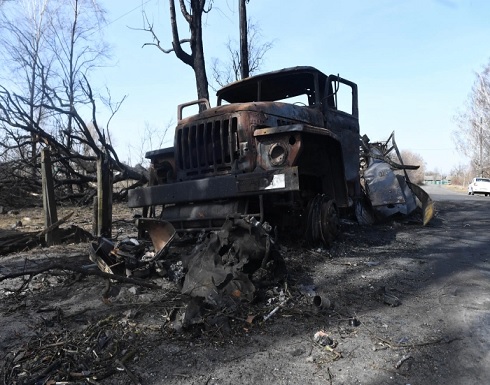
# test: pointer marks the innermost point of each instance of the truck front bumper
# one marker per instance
(216, 187)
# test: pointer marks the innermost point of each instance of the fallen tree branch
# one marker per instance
(112, 371)
(55, 224)
(81, 270)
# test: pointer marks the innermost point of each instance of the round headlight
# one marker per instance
(278, 154)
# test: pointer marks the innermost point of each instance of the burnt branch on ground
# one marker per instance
(80, 270)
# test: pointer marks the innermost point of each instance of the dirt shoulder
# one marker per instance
(409, 307)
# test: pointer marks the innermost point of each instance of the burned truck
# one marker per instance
(281, 147)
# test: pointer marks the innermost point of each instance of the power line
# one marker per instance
(119, 17)
(128, 12)
(432, 149)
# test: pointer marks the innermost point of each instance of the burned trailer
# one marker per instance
(282, 147)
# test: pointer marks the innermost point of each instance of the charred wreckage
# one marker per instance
(283, 147)
(281, 153)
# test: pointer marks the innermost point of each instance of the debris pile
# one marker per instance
(226, 267)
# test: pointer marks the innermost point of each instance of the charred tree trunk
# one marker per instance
(244, 60)
(196, 58)
(50, 213)
(104, 196)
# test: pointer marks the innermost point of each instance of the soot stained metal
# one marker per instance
(282, 147)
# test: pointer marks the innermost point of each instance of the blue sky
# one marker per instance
(414, 62)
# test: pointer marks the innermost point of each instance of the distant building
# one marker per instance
(436, 179)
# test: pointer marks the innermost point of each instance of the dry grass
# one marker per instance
(457, 188)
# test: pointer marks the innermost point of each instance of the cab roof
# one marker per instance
(276, 85)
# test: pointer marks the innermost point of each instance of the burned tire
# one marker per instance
(322, 225)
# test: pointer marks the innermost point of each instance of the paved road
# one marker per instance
(443, 193)
(458, 250)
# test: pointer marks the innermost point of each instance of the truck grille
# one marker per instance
(206, 148)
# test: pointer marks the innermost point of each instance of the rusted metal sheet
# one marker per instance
(161, 234)
(425, 200)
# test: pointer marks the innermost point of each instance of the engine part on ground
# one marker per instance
(226, 266)
(229, 263)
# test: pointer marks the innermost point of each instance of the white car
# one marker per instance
(479, 186)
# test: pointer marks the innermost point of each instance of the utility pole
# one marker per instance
(481, 147)
(242, 15)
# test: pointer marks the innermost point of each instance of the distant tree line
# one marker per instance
(472, 137)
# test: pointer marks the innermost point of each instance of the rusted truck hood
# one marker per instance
(263, 112)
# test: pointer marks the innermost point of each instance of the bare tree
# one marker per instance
(24, 44)
(473, 135)
(461, 175)
(78, 47)
(49, 110)
(413, 159)
(237, 66)
(151, 138)
(192, 13)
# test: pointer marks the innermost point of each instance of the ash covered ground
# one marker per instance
(400, 304)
